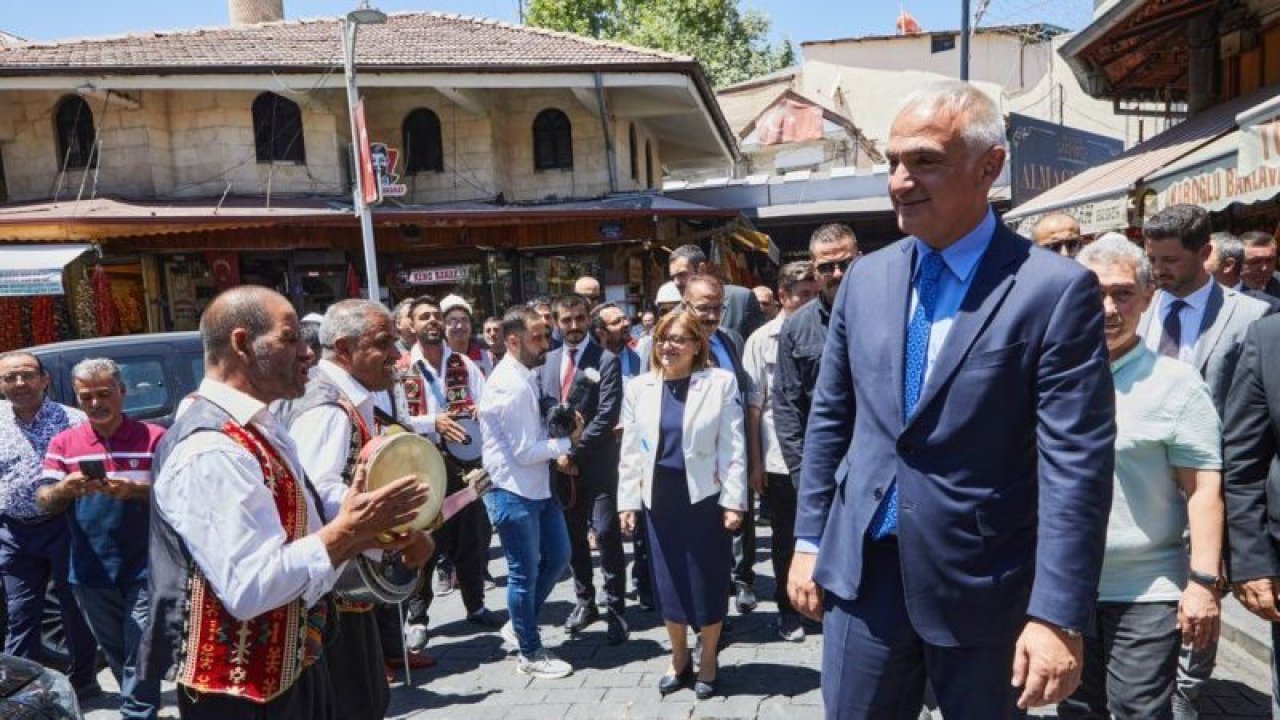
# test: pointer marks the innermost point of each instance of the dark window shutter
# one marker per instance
(423, 144)
(552, 141)
(76, 136)
(277, 130)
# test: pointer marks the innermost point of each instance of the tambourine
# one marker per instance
(379, 576)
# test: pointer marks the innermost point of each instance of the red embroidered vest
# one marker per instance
(256, 659)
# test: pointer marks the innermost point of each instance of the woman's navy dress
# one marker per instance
(690, 553)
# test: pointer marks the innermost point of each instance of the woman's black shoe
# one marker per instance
(704, 689)
(671, 683)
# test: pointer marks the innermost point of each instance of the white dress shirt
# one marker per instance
(516, 447)
(212, 492)
(435, 389)
(1191, 316)
(323, 434)
(760, 360)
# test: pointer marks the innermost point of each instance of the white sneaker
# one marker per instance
(544, 665)
(508, 633)
(416, 637)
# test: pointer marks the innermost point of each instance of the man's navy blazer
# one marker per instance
(596, 454)
(1005, 472)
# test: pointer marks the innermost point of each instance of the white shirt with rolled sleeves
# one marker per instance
(323, 434)
(212, 492)
(516, 449)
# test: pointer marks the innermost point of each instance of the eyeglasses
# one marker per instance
(707, 309)
(457, 322)
(831, 266)
(675, 340)
(26, 376)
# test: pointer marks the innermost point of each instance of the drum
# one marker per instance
(379, 576)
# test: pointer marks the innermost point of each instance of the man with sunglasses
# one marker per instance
(1058, 232)
(832, 248)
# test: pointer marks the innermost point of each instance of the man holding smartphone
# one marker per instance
(101, 470)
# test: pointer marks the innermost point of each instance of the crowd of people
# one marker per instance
(997, 477)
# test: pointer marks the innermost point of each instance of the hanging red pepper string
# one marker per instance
(104, 305)
(10, 323)
(44, 327)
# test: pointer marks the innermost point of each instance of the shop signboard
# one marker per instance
(17, 283)
(1217, 184)
(35, 269)
(1096, 216)
(1260, 139)
(385, 160)
(1046, 154)
(436, 276)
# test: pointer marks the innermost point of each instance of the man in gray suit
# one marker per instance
(742, 312)
(1196, 320)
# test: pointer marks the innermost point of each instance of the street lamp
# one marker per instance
(363, 15)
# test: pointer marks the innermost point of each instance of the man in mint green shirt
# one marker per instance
(1168, 480)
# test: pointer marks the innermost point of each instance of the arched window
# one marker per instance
(552, 141)
(277, 130)
(648, 163)
(423, 148)
(74, 123)
(635, 154)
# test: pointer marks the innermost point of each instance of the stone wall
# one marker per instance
(200, 144)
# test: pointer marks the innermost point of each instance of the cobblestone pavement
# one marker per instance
(761, 675)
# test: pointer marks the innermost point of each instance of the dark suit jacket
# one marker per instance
(733, 343)
(742, 312)
(1004, 474)
(1251, 455)
(597, 453)
(1271, 301)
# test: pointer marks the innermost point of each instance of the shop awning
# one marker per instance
(35, 269)
(1099, 197)
(1213, 178)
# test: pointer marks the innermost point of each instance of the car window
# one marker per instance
(197, 369)
(147, 391)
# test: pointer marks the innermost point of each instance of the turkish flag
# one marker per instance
(225, 267)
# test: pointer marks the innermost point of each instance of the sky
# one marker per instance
(798, 20)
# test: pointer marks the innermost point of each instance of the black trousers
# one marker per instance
(310, 698)
(640, 572)
(595, 506)
(781, 496)
(744, 546)
(355, 667)
(465, 540)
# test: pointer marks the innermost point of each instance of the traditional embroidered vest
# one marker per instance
(413, 385)
(321, 390)
(209, 649)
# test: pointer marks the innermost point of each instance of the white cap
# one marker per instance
(313, 318)
(668, 293)
(453, 301)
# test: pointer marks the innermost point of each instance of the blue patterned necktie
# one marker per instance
(885, 522)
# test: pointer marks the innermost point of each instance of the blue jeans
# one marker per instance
(536, 543)
(116, 616)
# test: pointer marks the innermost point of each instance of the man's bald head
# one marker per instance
(247, 307)
(1058, 232)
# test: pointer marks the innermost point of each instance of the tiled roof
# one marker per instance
(411, 40)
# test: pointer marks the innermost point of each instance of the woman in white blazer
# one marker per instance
(684, 465)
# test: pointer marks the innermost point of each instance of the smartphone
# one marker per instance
(94, 469)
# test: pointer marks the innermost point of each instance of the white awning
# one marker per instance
(35, 269)
(1212, 179)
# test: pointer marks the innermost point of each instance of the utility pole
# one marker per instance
(964, 40)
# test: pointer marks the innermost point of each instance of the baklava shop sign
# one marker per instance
(1247, 173)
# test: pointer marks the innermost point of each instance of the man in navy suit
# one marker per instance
(587, 482)
(704, 296)
(957, 469)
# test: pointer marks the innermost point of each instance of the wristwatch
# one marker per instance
(1216, 583)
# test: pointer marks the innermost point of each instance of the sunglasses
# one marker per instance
(1071, 245)
(831, 266)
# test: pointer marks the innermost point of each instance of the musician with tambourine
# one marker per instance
(345, 407)
(442, 389)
